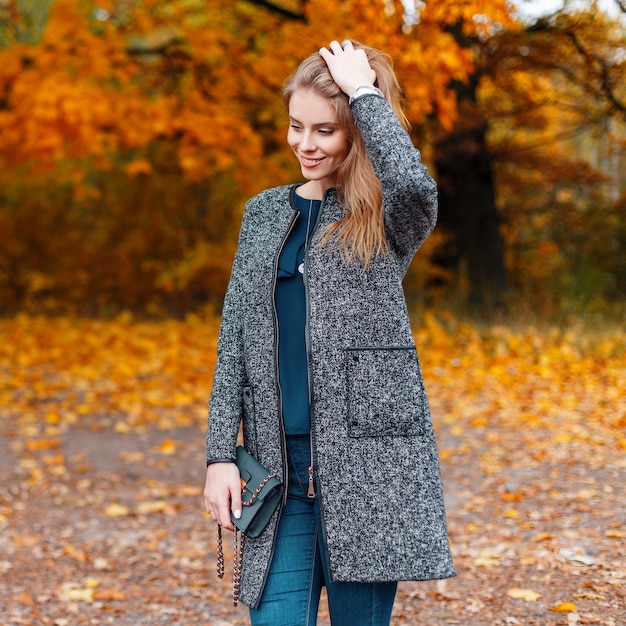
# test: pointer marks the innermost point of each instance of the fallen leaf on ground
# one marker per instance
(564, 607)
(528, 595)
(117, 510)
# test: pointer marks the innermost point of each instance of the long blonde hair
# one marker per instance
(361, 233)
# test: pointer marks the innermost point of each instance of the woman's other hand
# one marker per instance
(222, 493)
(349, 68)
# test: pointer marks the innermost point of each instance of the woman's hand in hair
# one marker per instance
(348, 66)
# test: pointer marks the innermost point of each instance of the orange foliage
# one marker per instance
(109, 77)
(55, 372)
(96, 87)
(548, 390)
(536, 393)
(132, 132)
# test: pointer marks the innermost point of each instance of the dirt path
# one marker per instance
(101, 527)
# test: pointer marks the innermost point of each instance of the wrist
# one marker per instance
(219, 460)
(365, 90)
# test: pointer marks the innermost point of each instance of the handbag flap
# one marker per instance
(256, 515)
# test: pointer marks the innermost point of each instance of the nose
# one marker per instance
(307, 142)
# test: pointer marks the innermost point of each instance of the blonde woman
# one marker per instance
(317, 362)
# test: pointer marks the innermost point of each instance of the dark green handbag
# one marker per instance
(261, 492)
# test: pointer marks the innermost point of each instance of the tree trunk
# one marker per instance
(467, 210)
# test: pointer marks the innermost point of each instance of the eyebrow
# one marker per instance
(293, 119)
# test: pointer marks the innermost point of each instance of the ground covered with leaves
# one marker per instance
(102, 468)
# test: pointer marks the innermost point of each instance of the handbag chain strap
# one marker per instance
(239, 540)
(258, 490)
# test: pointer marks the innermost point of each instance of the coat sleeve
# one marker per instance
(225, 405)
(409, 192)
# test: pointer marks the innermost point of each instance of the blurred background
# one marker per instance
(133, 131)
(131, 134)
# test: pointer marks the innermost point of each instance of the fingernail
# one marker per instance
(237, 514)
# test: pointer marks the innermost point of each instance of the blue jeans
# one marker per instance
(299, 570)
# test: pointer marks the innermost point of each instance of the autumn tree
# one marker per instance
(534, 90)
(140, 127)
(129, 124)
(131, 134)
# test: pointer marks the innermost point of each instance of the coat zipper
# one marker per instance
(309, 367)
(307, 342)
(276, 366)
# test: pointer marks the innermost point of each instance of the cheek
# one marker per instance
(342, 148)
(342, 152)
(292, 138)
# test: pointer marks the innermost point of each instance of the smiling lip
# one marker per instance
(307, 162)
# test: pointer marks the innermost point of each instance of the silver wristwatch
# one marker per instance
(365, 91)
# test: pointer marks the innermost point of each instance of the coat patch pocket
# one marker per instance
(385, 393)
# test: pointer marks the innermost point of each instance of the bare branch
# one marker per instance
(275, 8)
(603, 70)
(600, 66)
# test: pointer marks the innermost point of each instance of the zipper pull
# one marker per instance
(311, 491)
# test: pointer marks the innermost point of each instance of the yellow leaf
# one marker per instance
(528, 595)
(42, 444)
(153, 506)
(79, 595)
(117, 510)
(586, 494)
(542, 537)
(53, 417)
(615, 533)
(53, 459)
(564, 607)
(487, 558)
(167, 447)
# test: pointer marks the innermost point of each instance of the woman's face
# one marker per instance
(316, 138)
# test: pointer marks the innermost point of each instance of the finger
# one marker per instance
(325, 54)
(335, 46)
(207, 504)
(346, 43)
(222, 517)
(236, 504)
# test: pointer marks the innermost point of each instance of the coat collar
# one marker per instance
(331, 210)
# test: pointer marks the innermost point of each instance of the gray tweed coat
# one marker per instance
(376, 460)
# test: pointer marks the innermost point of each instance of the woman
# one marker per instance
(316, 358)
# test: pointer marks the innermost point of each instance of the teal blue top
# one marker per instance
(291, 310)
